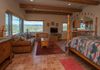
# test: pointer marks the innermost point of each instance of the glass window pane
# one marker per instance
(33, 26)
(15, 25)
(6, 25)
(82, 26)
(64, 26)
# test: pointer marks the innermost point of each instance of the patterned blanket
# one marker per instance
(88, 46)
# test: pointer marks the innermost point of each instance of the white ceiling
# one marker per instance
(58, 3)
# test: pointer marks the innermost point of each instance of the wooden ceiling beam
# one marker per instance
(46, 7)
(88, 2)
(46, 12)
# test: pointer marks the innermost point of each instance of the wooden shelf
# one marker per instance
(82, 32)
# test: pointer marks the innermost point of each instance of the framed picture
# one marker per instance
(57, 24)
(48, 24)
(52, 23)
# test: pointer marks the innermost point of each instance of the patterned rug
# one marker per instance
(62, 45)
(51, 49)
(71, 64)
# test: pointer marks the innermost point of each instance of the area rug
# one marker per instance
(51, 49)
(62, 44)
(71, 64)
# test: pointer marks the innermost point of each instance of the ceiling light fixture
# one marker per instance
(31, 0)
(69, 4)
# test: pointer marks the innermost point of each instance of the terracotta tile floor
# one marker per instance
(42, 62)
(29, 62)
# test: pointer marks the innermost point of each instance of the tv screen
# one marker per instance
(53, 30)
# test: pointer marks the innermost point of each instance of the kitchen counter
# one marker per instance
(3, 39)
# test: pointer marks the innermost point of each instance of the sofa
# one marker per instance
(22, 44)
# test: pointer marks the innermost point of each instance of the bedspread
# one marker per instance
(88, 46)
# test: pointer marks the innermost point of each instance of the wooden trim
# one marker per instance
(85, 58)
(34, 20)
(88, 2)
(96, 26)
(69, 32)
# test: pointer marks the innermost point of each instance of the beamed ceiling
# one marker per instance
(59, 7)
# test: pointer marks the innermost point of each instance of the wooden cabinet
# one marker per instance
(1, 34)
(76, 24)
(82, 33)
(5, 53)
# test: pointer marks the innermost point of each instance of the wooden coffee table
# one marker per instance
(44, 42)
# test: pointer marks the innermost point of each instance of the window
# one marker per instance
(82, 26)
(33, 26)
(64, 26)
(6, 25)
(15, 25)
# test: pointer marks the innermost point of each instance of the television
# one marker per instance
(53, 30)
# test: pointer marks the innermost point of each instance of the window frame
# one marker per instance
(33, 21)
(63, 27)
(13, 20)
(9, 24)
(10, 29)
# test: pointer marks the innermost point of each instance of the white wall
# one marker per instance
(48, 18)
(11, 5)
(93, 12)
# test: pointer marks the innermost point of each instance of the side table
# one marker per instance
(44, 42)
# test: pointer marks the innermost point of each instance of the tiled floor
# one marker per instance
(29, 62)
(42, 62)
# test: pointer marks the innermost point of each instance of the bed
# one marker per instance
(86, 47)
